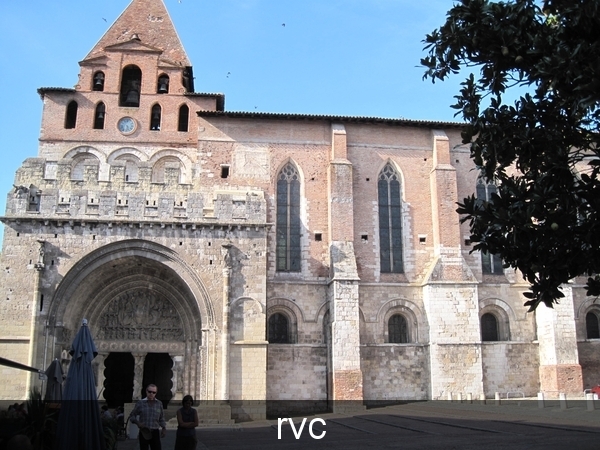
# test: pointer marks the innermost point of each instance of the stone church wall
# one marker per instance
(510, 367)
(297, 372)
(395, 372)
(590, 365)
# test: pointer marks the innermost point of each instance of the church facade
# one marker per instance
(248, 258)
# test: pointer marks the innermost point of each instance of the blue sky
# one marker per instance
(332, 57)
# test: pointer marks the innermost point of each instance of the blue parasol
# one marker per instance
(79, 424)
(54, 373)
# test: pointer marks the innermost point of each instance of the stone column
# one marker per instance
(559, 360)
(177, 389)
(138, 375)
(39, 266)
(98, 362)
(226, 247)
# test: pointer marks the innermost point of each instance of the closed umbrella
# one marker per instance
(54, 373)
(79, 424)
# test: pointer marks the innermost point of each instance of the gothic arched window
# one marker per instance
(131, 85)
(98, 81)
(99, 116)
(163, 84)
(155, 118)
(390, 221)
(288, 219)
(398, 329)
(592, 326)
(489, 327)
(184, 118)
(278, 329)
(71, 115)
(490, 264)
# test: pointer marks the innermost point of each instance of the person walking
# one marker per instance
(149, 416)
(187, 421)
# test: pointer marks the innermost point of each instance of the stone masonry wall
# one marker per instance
(590, 365)
(510, 367)
(395, 372)
(296, 372)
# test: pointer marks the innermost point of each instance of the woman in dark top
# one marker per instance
(187, 421)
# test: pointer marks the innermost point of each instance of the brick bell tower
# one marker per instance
(135, 82)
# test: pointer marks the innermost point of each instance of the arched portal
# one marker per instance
(141, 299)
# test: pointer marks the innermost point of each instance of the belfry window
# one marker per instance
(99, 116)
(71, 115)
(278, 329)
(131, 84)
(288, 220)
(398, 329)
(390, 221)
(98, 81)
(184, 118)
(155, 118)
(489, 328)
(490, 264)
(592, 325)
(163, 84)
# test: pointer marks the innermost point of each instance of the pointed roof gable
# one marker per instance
(149, 21)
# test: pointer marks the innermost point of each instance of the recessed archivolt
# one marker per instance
(280, 303)
(76, 283)
(585, 306)
(495, 303)
(125, 153)
(411, 312)
(82, 151)
(256, 303)
(323, 309)
(168, 155)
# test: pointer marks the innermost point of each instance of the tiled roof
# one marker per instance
(351, 119)
(42, 91)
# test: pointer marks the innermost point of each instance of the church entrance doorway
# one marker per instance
(118, 379)
(158, 371)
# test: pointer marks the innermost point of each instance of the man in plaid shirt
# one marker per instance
(149, 416)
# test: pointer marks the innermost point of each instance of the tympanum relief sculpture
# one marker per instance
(140, 315)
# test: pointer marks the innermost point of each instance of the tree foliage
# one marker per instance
(542, 149)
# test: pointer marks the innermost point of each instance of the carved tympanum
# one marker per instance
(140, 314)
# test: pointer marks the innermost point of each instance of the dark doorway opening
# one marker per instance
(157, 370)
(118, 381)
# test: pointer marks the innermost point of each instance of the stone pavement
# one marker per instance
(419, 425)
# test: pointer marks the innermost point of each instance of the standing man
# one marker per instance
(149, 416)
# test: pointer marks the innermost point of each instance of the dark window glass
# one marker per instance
(71, 115)
(278, 329)
(99, 116)
(489, 327)
(591, 326)
(184, 118)
(98, 81)
(131, 84)
(398, 329)
(155, 118)
(162, 86)
(390, 221)
(288, 224)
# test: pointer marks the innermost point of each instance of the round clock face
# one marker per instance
(127, 125)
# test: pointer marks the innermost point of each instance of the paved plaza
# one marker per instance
(419, 425)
